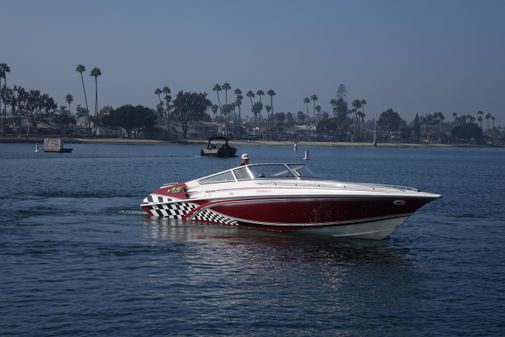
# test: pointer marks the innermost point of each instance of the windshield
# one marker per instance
(260, 171)
(218, 178)
(270, 171)
(302, 170)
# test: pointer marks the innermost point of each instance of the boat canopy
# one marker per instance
(260, 171)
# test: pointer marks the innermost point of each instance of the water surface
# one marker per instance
(78, 257)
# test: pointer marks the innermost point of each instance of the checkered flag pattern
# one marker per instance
(176, 210)
(207, 215)
(163, 206)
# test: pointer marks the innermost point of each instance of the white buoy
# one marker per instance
(306, 155)
(295, 147)
(36, 148)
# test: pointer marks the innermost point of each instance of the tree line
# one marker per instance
(342, 122)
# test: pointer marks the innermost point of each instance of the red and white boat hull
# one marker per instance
(287, 205)
(359, 217)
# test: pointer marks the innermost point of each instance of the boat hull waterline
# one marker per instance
(329, 217)
(295, 207)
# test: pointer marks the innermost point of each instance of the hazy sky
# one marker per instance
(413, 56)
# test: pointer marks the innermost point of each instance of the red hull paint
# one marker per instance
(147, 210)
(314, 211)
(176, 191)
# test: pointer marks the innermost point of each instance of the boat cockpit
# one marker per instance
(260, 171)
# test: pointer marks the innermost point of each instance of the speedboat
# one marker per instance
(286, 198)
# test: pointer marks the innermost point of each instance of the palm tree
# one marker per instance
(493, 118)
(69, 99)
(488, 119)
(238, 103)
(271, 93)
(314, 98)
(4, 69)
(2, 75)
(168, 99)
(80, 69)
(226, 87)
(159, 106)
(158, 92)
(356, 104)
(256, 109)
(250, 94)
(260, 93)
(360, 116)
(318, 109)
(306, 100)
(363, 103)
(480, 119)
(227, 108)
(166, 91)
(95, 72)
(217, 88)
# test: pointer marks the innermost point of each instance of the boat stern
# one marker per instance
(163, 196)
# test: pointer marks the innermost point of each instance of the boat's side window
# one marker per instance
(242, 174)
(218, 178)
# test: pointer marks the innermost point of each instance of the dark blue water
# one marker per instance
(78, 257)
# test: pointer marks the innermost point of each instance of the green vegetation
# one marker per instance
(194, 115)
(131, 117)
(188, 107)
(31, 105)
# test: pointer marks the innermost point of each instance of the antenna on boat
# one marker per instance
(306, 155)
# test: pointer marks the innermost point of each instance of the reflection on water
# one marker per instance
(248, 270)
(286, 245)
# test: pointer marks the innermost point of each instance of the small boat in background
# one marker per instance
(55, 145)
(219, 147)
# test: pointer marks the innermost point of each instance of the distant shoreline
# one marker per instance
(126, 141)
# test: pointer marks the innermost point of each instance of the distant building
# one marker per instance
(304, 131)
(102, 131)
(46, 128)
(367, 135)
(203, 130)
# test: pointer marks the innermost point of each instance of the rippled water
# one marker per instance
(78, 257)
